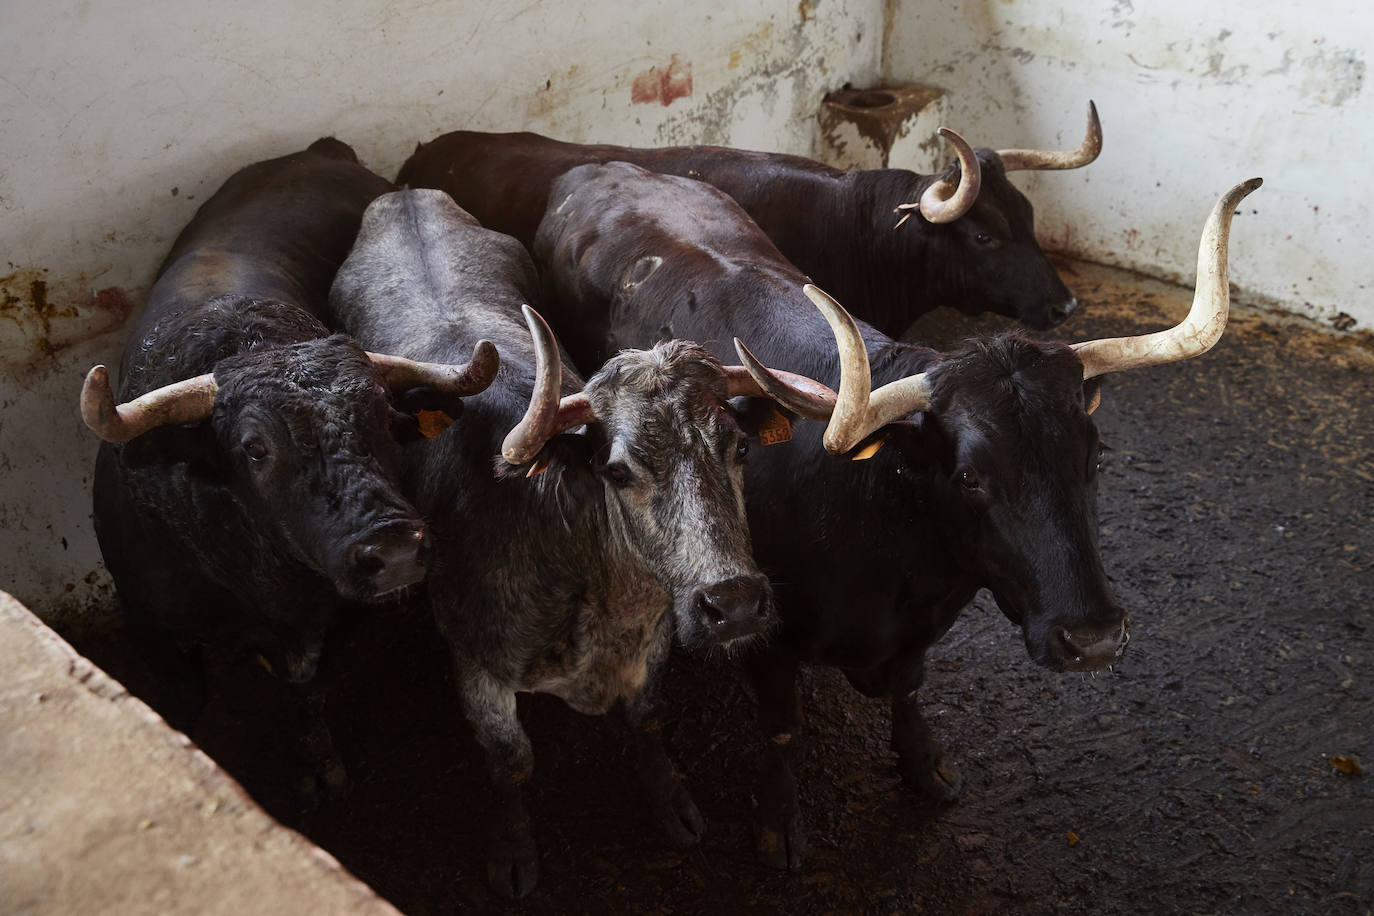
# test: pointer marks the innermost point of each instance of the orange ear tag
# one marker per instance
(1097, 399)
(868, 451)
(432, 422)
(775, 430)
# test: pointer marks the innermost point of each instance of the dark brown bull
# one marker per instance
(966, 238)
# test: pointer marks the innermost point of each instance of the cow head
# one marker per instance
(974, 238)
(300, 438)
(668, 452)
(1004, 427)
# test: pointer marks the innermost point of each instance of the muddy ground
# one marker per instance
(1199, 777)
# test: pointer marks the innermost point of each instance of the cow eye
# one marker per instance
(742, 450)
(254, 449)
(618, 473)
(968, 479)
(983, 238)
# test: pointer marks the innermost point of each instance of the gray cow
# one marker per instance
(556, 569)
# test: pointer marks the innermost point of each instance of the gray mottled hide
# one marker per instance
(558, 583)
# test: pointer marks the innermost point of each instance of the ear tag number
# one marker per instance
(432, 422)
(775, 430)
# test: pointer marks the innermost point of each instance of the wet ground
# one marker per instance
(1205, 775)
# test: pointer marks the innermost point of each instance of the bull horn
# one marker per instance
(1206, 319)
(401, 373)
(546, 416)
(804, 396)
(944, 202)
(180, 402)
(860, 411)
(1044, 160)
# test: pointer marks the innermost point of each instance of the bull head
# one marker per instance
(548, 415)
(859, 411)
(944, 202)
(194, 398)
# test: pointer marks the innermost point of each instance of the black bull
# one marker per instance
(989, 483)
(248, 486)
(839, 228)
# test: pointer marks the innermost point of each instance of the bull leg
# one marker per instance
(780, 838)
(669, 802)
(324, 776)
(512, 858)
(920, 758)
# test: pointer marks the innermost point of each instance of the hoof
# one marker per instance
(782, 846)
(939, 782)
(513, 866)
(679, 817)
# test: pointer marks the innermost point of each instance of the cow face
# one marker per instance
(670, 453)
(1015, 461)
(987, 259)
(304, 435)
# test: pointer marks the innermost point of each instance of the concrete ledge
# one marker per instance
(105, 809)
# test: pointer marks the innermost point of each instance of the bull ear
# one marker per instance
(1092, 394)
(192, 444)
(568, 459)
(910, 438)
(753, 414)
(424, 412)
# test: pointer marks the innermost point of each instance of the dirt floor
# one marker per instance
(1203, 776)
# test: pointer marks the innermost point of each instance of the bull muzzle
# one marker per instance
(389, 559)
(1088, 648)
(735, 608)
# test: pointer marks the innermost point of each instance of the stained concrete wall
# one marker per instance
(120, 118)
(1194, 97)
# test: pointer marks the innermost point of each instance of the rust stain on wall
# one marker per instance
(664, 85)
(39, 317)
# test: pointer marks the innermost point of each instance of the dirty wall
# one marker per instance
(1193, 97)
(121, 118)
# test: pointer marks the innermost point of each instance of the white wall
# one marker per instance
(1194, 97)
(121, 118)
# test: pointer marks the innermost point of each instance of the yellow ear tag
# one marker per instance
(540, 466)
(432, 422)
(775, 430)
(1097, 399)
(868, 451)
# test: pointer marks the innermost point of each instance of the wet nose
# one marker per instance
(1090, 648)
(734, 608)
(391, 557)
(1061, 310)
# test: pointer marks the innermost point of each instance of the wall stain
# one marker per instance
(664, 85)
(40, 318)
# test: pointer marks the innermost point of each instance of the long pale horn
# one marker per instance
(944, 202)
(401, 373)
(860, 411)
(547, 415)
(180, 402)
(1043, 160)
(1206, 320)
(803, 395)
